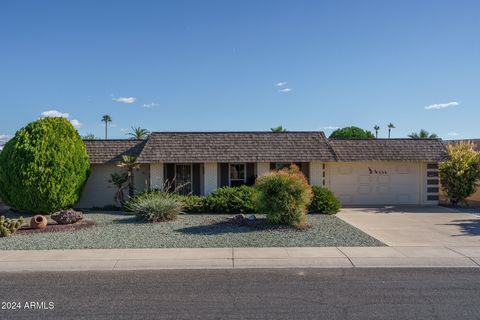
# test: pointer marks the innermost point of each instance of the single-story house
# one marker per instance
(359, 172)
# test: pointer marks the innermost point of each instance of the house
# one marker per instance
(359, 172)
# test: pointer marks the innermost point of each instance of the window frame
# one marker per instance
(244, 180)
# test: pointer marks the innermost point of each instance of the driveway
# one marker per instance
(416, 226)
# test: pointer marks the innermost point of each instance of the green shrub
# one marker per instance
(324, 201)
(192, 203)
(459, 174)
(44, 167)
(155, 207)
(232, 200)
(9, 226)
(284, 196)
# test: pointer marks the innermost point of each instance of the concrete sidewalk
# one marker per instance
(233, 258)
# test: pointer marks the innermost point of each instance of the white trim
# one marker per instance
(244, 172)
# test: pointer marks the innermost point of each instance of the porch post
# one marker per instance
(210, 177)
(156, 176)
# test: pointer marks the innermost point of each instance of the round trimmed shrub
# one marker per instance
(44, 167)
(324, 201)
(232, 200)
(284, 196)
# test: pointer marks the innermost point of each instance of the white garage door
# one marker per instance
(375, 183)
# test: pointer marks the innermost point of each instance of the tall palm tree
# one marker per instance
(390, 127)
(278, 129)
(130, 163)
(423, 134)
(376, 128)
(139, 133)
(106, 118)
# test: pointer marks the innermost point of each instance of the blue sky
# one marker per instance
(242, 65)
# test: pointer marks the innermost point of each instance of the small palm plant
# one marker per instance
(120, 181)
(376, 128)
(390, 127)
(139, 133)
(423, 134)
(106, 118)
(130, 163)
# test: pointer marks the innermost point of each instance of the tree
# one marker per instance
(376, 128)
(390, 127)
(139, 133)
(351, 133)
(106, 118)
(130, 163)
(278, 129)
(423, 134)
(89, 136)
(459, 174)
(44, 167)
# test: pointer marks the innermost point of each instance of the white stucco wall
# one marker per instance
(316, 173)
(262, 168)
(99, 192)
(210, 178)
(156, 176)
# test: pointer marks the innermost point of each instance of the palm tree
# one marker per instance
(106, 118)
(423, 134)
(376, 128)
(278, 129)
(130, 163)
(390, 127)
(139, 133)
(119, 180)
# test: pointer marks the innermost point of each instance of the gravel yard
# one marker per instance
(121, 230)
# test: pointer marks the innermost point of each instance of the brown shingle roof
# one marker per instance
(235, 146)
(389, 149)
(111, 151)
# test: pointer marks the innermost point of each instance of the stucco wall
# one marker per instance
(98, 192)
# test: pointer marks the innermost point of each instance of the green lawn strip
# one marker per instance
(120, 230)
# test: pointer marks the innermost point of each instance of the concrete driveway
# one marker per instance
(416, 226)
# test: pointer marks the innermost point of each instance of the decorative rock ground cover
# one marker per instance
(121, 230)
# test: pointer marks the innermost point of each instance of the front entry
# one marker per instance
(183, 178)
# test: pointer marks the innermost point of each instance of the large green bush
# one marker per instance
(44, 167)
(231, 200)
(459, 174)
(324, 201)
(155, 207)
(284, 196)
(351, 133)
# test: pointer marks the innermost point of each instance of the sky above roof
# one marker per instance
(242, 65)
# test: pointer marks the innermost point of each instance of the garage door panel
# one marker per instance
(375, 183)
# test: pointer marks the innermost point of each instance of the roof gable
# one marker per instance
(111, 151)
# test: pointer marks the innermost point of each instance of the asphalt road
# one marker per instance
(245, 294)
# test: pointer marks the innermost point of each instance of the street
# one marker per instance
(243, 294)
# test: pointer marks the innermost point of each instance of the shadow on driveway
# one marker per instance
(468, 227)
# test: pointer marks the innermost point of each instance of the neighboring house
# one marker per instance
(475, 198)
(359, 172)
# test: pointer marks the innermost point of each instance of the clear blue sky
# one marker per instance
(215, 65)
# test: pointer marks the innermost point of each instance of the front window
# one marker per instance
(183, 178)
(237, 174)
